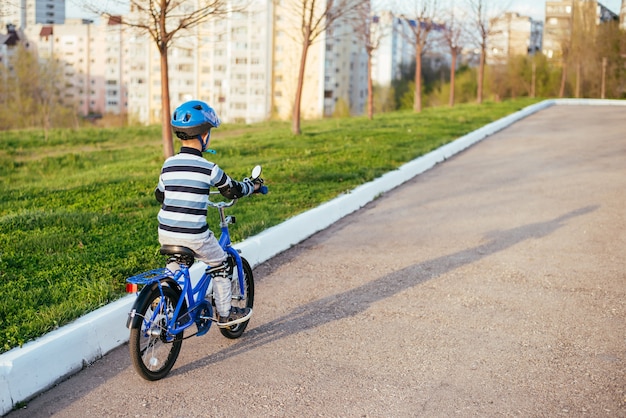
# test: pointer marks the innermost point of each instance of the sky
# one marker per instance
(537, 8)
(533, 8)
(73, 10)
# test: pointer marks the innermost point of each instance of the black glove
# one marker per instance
(159, 195)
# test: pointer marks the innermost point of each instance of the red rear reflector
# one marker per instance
(131, 288)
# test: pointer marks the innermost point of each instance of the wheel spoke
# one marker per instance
(152, 351)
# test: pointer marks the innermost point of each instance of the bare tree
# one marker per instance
(21, 83)
(421, 23)
(566, 46)
(482, 13)
(314, 18)
(48, 95)
(576, 43)
(164, 21)
(30, 88)
(610, 53)
(370, 31)
(454, 37)
(583, 42)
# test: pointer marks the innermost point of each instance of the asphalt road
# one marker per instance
(491, 285)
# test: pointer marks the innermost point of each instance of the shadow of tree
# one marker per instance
(357, 300)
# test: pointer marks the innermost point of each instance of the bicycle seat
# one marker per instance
(180, 254)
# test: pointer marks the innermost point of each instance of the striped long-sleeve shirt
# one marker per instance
(185, 182)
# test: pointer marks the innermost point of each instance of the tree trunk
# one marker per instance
(533, 80)
(168, 146)
(295, 122)
(417, 101)
(563, 78)
(481, 76)
(452, 74)
(370, 87)
(603, 85)
(578, 76)
(75, 119)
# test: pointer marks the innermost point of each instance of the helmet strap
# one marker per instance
(205, 144)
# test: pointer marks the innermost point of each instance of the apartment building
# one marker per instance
(223, 61)
(17, 15)
(8, 42)
(246, 67)
(560, 16)
(335, 71)
(236, 60)
(345, 70)
(25, 13)
(244, 64)
(91, 56)
(394, 51)
(511, 35)
(558, 26)
(110, 87)
(286, 64)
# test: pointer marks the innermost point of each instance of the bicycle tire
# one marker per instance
(151, 353)
(247, 301)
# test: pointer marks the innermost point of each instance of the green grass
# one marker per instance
(78, 216)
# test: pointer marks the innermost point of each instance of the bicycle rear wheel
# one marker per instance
(241, 302)
(152, 351)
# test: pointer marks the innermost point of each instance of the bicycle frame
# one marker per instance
(173, 300)
(199, 290)
(193, 294)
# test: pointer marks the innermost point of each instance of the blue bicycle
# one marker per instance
(172, 301)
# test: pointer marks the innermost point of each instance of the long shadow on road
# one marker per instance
(343, 305)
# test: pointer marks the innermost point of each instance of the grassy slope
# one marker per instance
(77, 213)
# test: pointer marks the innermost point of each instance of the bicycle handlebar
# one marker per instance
(262, 190)
(220, 204)
(256, 178)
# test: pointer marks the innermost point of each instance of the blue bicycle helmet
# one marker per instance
(192, 119)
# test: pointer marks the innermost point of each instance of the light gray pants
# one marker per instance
(209, 252)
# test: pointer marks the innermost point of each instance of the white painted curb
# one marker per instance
(38, 365)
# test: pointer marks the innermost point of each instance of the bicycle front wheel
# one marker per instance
(245, 301)
(152, 350)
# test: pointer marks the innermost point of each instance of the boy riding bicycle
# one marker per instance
(183, 191)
